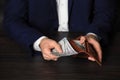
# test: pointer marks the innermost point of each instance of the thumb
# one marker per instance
(58, 48)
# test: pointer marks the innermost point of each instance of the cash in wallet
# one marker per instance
(73, 47)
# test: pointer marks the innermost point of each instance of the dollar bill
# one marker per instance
(66, 47)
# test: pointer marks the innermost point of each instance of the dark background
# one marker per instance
(1, 12)
(15, 64)
(116, 25)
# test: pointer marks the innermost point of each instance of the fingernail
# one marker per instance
(55, 59)
(90, 58)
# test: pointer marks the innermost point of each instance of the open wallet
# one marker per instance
(73, 47)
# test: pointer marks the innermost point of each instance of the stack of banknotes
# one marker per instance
(67, 48)
(73, 47)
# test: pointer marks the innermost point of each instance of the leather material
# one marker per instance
(85, 52)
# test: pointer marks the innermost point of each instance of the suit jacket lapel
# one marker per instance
(70, 4)
(54, 4)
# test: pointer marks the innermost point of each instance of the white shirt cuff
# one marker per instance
(36, 46)
(98, 37)
(90, 33)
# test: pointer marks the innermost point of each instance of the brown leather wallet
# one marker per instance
(85, 52)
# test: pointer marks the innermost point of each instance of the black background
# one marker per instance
(1, 11)
(16, 64)
(116, 24)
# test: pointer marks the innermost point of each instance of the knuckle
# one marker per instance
(53, 42)
(46, 59)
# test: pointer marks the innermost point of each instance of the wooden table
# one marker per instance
(17, 64)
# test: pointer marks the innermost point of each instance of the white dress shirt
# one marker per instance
(62, 8)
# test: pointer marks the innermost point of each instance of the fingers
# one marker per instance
(96, 46)
(82, 39)
(91, 59)
(57, 47)
(46, 45)
(47, 55)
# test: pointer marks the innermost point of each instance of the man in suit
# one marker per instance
(30, 21)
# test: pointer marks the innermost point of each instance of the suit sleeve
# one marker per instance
(103, 16)
(16, 22)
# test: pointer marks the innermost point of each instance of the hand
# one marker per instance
(93, 41)
(46, 45)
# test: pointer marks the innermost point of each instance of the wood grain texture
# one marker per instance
(17, 64)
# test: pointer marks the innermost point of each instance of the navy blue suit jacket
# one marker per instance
(27, 20)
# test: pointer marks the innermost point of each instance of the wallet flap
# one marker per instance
(85, 53)
(92, 52)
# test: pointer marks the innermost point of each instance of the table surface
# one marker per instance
(17, 64)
